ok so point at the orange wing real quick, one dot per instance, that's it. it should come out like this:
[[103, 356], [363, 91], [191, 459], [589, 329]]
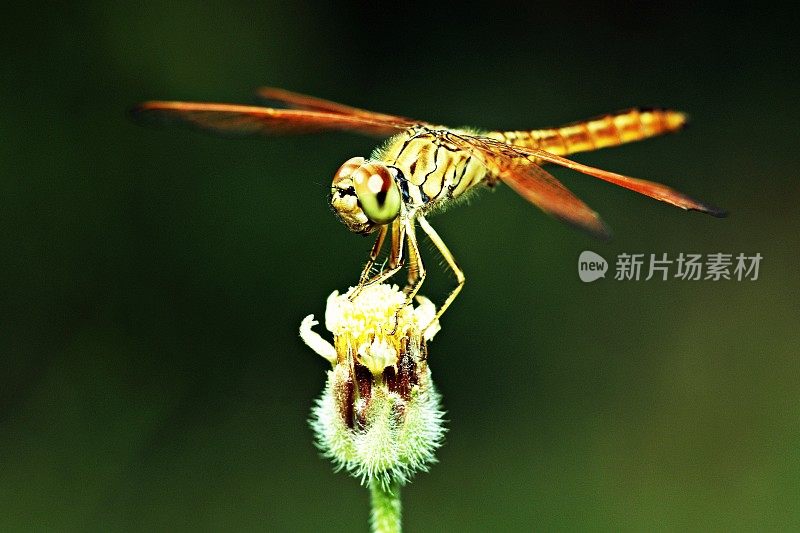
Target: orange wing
[[243, 120], [304, 101], [544, 191], [504, 155]]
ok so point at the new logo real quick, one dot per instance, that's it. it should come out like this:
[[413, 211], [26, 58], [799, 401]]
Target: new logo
[[591, 266]]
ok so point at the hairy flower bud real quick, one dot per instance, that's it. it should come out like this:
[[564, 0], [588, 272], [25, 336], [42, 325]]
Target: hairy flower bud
[[379, 416]]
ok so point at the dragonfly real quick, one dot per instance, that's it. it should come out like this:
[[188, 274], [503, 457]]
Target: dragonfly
[[423, 167]]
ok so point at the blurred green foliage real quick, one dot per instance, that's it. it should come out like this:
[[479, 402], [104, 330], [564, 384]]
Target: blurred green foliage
[[153, 280]]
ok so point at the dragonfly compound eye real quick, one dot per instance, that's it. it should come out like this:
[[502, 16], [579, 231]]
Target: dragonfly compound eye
[[347, 169], [377, 192], [344, 201]]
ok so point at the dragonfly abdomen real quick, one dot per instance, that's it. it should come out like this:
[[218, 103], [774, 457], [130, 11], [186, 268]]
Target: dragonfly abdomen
[[600, 132]]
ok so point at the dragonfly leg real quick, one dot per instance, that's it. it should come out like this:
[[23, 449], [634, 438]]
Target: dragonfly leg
[[396, 259], [439, 243], [373, 255], [416, 270]]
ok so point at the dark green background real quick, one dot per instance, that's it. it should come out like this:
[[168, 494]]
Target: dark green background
[[153, 280]]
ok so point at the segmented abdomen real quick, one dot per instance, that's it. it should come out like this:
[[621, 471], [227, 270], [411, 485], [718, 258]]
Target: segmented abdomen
[[600, 132]]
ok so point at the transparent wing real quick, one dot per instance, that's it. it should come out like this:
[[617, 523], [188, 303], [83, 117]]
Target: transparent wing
[[303, 101], [240, 120], [503, 155]]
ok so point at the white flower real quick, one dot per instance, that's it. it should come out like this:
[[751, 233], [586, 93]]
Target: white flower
[[379, 416], [373, 324]]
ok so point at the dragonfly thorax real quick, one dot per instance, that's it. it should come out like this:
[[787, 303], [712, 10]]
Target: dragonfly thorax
[[365, 195]]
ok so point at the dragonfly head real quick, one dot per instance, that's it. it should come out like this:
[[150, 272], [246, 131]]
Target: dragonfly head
[[365, 195]]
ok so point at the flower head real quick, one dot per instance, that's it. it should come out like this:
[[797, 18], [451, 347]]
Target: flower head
[[379, 416]]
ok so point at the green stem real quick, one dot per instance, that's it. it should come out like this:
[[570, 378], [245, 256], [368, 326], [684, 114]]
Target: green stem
[[386, 507]]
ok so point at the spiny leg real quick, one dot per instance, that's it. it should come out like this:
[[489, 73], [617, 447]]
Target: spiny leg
[[373, 255], [439, 243], [416, 269], [395, 259]]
